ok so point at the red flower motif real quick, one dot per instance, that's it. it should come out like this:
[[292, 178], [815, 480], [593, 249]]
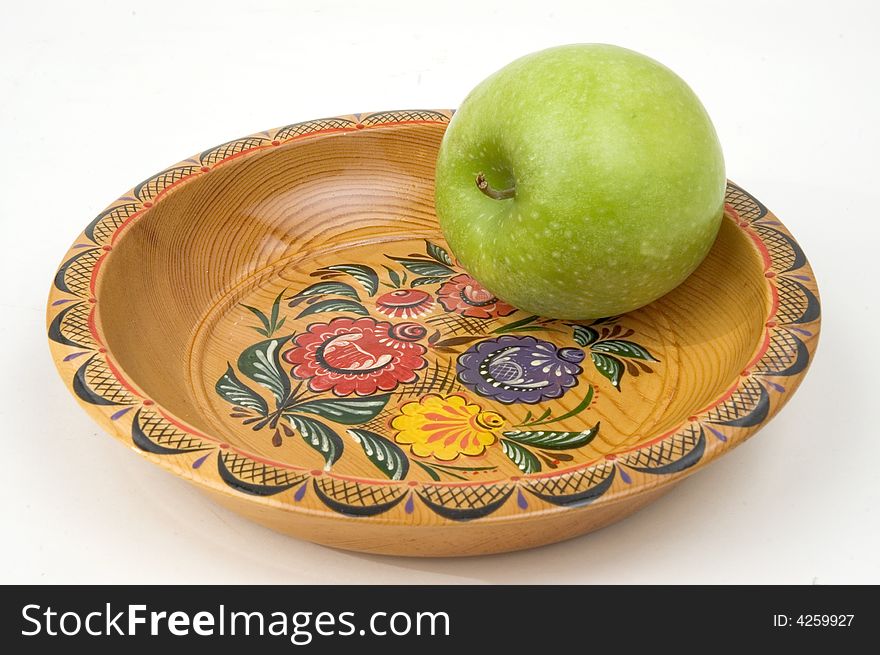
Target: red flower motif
[[405, 303], [464, 295], [357, 355]]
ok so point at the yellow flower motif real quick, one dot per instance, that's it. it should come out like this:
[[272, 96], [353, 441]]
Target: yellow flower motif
[[446, 427]]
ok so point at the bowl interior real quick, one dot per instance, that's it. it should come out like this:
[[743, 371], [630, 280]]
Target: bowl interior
[[187, 298]]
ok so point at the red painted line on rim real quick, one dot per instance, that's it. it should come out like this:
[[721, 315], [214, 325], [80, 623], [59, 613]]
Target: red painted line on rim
[[774, 301], [765, 344], [179, 424], [93, 279], [124, 225], [92, 329], [412, 122], [386, 483], [119, 377], [559, 472], [250, 150], [266, 460]]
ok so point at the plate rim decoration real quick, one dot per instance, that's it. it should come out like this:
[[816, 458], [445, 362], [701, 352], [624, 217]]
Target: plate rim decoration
[[776, 368]]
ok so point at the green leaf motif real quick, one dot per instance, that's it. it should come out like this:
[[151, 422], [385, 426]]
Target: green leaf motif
[[583, 335], [234, 391], [554, 440], [393, 276], [270, 323], [623, 349], [516, 326], [605, 319], [543, 415], [328, 288], [386, 455], [273, 321], [348, 411], [335, 305], [365, 275], [543, 419], [260, 315], [429, 470], [420, 281], [261, 363], [438, 253], [610, 367], [423, 267], [523, 458], [318, 436]]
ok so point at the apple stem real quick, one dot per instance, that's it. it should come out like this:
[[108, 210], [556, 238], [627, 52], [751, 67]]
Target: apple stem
[[495, 194]]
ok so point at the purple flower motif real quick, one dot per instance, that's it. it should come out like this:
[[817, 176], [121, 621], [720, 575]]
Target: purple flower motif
[[514, 369]]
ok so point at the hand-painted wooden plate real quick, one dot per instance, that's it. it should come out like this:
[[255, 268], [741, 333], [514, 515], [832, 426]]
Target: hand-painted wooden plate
[[279, 321]]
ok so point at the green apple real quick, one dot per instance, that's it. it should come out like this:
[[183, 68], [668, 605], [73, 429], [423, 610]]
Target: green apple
[[580, 182]]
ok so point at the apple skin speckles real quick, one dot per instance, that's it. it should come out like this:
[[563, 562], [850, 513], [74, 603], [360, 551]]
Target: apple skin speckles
[[618, 182]]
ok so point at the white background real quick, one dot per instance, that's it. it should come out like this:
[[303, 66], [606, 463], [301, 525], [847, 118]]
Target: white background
[[95, 97]]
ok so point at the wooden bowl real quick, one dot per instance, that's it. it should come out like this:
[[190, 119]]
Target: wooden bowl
[[278, 321]]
